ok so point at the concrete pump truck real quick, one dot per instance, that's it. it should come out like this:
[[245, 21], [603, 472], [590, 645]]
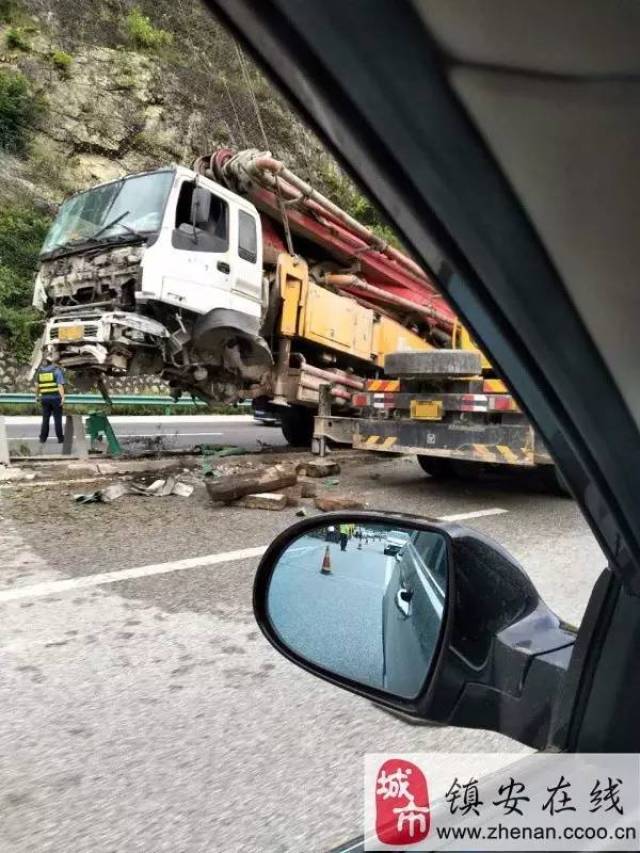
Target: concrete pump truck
[[237, 280]]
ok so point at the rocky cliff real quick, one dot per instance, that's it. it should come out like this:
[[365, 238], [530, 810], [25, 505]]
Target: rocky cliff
[[118, 88]]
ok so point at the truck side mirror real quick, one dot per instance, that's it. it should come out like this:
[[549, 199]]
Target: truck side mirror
[[200, 208], [431, 620]]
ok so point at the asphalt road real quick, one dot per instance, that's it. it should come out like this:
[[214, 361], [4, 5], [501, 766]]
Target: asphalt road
[[168, 432], [333, 619], [143, 711]]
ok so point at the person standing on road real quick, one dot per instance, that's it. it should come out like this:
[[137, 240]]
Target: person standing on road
[[50, 392], [345, 530]]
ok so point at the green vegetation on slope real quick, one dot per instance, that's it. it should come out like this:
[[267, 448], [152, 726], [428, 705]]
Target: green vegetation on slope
[[22, 230], [19, 110], [62, 60], [143, 34]]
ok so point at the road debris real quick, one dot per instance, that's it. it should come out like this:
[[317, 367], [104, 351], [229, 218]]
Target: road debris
[[157, 489], [308, 490], [15, 474], [170, 486], [303, 512], [106, 495], [221, 451], [318, 468], [330, 504], [293, 494], [231, 487], [121, 466], [264, 500]]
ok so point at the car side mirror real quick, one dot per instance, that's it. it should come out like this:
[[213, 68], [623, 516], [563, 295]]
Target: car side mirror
[[429, 619]]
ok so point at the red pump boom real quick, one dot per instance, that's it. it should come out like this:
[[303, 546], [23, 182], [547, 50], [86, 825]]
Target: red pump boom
[[381, 274]]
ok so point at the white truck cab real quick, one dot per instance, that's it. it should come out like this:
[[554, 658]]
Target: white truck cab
[[167, 261], [208, 252]]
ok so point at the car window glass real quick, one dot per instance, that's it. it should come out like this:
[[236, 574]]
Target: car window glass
[[247, 237]]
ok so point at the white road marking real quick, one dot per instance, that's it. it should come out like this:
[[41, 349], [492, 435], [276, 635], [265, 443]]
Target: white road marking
[[39, 590], [66, 584], [160, 434], [28, 420], [479, 513]]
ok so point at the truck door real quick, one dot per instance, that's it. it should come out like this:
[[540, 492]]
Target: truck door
[[247, 278], [198, 270]]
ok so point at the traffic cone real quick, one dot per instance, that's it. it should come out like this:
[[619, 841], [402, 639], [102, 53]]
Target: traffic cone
[[325, 569]]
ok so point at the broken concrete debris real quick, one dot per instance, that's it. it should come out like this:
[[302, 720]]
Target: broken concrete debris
[[170, 486], [318, 468], [308, 490], [264, 500], [157, 489], [333, 503], [15, 474]]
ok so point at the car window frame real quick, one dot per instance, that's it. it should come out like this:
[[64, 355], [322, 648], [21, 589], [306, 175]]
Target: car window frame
[[429, 171]]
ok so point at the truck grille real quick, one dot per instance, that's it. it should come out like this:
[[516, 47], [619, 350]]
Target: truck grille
[[90, 331]]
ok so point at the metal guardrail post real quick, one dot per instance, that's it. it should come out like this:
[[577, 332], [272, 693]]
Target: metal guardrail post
[[75, 440], [319, 442], [98, 424]]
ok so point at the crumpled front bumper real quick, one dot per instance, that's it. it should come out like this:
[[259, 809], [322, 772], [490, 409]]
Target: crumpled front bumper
[[89, 339]]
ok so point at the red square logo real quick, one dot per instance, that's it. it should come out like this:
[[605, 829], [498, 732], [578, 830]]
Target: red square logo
[[403, 814]]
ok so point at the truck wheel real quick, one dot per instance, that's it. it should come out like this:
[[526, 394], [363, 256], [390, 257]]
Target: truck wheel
[[436, 466], [297, 426]]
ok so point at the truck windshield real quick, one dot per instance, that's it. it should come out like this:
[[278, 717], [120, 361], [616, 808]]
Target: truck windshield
[[131, 206]]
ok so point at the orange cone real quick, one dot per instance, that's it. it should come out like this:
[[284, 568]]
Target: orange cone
[[325, 569]]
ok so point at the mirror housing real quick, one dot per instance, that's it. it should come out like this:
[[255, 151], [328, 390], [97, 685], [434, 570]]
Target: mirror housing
[[200, 205], [502, 653]]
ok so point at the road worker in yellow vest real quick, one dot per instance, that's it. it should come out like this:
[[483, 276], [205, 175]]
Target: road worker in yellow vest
[[345, 535], [50, 392]]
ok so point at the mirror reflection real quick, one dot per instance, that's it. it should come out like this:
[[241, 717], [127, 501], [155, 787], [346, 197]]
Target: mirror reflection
[[365, 601]]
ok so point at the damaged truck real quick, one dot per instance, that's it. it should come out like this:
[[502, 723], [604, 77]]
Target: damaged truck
[[237, 280]]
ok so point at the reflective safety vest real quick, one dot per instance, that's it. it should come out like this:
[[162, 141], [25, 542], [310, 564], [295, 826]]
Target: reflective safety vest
[[47, 381]]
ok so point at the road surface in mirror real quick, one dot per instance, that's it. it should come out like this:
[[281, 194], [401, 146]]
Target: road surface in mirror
[[365, 602]]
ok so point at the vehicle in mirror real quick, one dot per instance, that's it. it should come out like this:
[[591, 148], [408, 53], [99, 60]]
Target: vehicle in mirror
[[364, 601]]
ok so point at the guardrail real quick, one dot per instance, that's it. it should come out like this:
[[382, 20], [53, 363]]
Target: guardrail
[[116, 399]]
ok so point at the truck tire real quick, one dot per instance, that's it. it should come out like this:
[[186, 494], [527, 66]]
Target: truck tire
[[436, 466], [442, 362], [297, 426]]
